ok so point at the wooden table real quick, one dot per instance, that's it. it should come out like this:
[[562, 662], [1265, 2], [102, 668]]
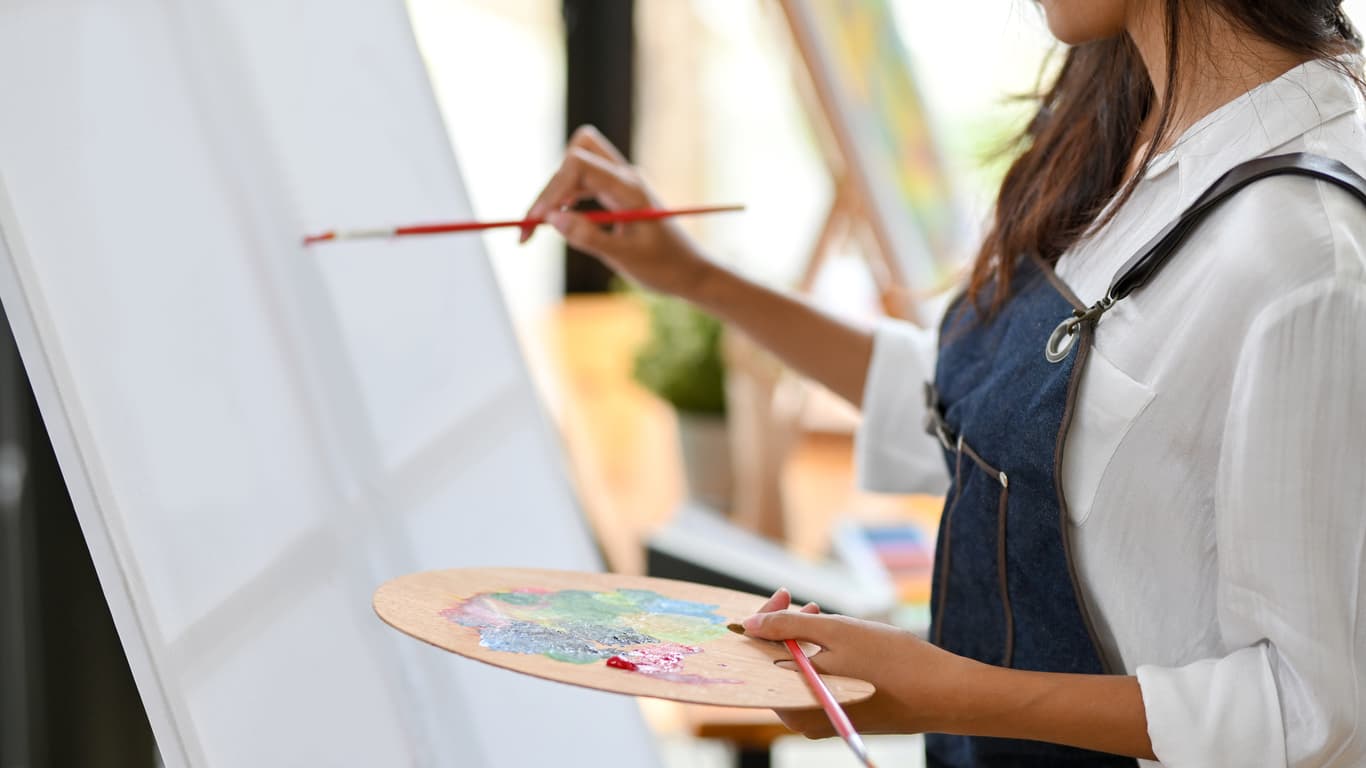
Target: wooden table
[[624, 456]]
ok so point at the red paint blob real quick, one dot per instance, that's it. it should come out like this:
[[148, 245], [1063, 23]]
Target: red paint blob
[[619, 663]]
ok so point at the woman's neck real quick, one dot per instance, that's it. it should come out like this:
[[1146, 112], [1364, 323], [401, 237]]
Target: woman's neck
[[1218, 62]]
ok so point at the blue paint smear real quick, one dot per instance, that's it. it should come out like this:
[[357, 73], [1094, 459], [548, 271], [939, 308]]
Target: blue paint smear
[[525, 637], [653, 602], [574, 641]]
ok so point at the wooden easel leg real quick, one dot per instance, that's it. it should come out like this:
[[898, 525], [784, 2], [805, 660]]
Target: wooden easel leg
[[763, 432], [833, 231]]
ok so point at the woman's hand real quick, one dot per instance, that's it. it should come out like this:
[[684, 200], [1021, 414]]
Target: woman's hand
[[656, 254], [922, 688], [659, 256], [916, 682]]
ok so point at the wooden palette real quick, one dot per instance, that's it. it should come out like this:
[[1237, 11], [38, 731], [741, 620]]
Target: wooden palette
[[725, 668]]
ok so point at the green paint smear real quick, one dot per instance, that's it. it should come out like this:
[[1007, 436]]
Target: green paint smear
[[688, 630], [582, 605], [573, 658], [518, 598]]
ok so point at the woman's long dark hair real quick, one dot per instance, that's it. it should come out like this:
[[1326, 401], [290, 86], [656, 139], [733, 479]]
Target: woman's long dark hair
[[1075, 153]]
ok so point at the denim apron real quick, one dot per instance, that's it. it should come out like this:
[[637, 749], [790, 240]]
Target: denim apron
[[1005, 587]]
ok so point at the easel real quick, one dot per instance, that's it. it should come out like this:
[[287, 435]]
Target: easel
[[846, 222], [766, 401], [851, 215]]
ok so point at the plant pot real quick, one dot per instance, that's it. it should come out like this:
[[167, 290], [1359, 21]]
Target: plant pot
[[704, 441]]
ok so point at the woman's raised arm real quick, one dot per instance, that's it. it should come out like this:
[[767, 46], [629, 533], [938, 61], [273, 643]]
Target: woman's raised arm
[[661, 257]]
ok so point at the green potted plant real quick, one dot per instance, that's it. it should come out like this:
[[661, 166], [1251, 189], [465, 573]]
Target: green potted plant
[[682, 364]]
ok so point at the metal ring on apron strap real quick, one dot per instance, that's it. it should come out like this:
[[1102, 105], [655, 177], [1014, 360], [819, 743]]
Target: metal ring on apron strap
[[1061, 340]]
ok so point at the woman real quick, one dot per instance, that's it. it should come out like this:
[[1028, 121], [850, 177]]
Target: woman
[[1183, 582]]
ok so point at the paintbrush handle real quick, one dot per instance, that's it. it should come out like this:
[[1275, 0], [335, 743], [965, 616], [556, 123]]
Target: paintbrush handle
[[597, 217], [838, 718]]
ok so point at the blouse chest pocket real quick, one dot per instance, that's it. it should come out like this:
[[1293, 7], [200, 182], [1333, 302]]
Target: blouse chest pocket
[[1108, 403]]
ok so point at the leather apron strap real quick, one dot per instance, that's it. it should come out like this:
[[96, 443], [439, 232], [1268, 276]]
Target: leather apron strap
[[1144, 266]]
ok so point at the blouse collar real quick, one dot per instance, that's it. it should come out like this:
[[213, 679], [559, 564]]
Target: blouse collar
[[1266, 117]]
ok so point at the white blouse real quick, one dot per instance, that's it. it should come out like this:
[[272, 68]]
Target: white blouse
[[1216, 465]]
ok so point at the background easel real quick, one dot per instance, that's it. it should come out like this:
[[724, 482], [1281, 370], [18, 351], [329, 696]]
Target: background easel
[[848, 223], [768, 402]]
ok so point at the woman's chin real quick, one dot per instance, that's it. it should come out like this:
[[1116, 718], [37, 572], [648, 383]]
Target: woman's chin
[[1074, 22]]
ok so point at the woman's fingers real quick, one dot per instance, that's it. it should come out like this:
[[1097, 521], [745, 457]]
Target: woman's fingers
[[591, 139], [779, 602], [588, 138], [584, 174], [782, 600], [790, 625], [581, 233], [825, 662], [811, 723]]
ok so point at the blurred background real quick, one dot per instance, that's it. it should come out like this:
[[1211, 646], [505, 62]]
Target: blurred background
[[682, 443]]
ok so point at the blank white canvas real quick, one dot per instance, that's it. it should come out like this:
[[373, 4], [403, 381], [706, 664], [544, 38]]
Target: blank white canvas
[[255, 434]]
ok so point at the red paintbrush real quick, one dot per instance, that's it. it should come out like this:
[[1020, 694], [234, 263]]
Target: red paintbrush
[[597, 217]]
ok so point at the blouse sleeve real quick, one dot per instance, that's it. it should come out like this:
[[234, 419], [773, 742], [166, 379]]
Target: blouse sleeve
[[1291, 530], [893, 452]]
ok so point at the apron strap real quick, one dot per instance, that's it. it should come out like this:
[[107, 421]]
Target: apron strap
[[1144, 266], [1152, 257]]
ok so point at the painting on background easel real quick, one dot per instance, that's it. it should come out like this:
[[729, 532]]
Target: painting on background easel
[[892, 194], [892, 201]]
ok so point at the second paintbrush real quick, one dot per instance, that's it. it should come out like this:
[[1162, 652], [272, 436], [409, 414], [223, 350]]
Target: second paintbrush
[[597, 217]]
